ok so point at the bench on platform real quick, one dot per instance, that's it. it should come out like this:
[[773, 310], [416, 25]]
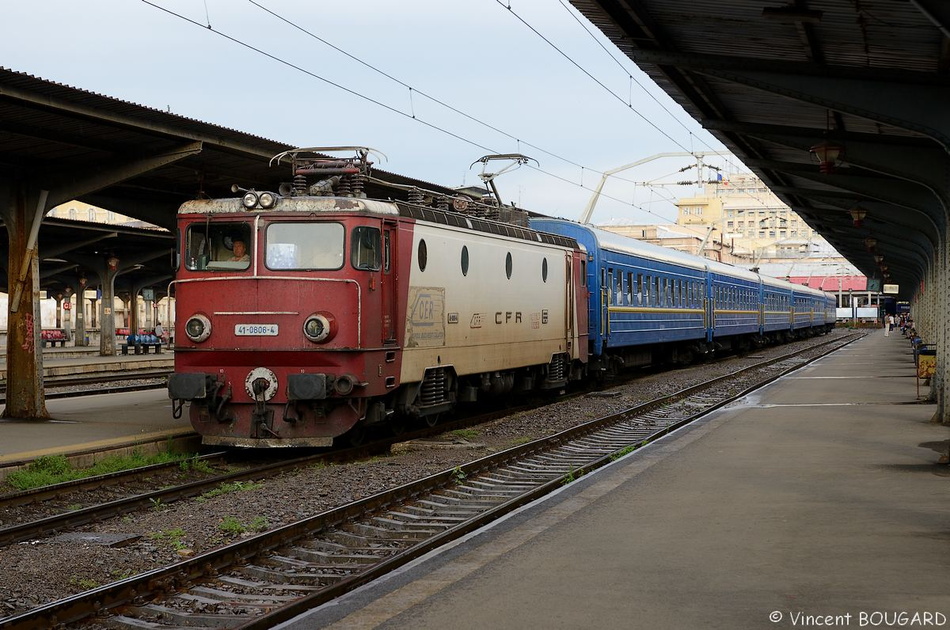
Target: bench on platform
[[140, 344], [53, 336], [142, 348]]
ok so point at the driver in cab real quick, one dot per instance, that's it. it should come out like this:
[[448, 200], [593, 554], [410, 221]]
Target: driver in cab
[[239, 249]]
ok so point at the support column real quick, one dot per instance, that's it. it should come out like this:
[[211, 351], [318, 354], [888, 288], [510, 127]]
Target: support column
[[81, 311], [107, 321], [68, 310], [59, 309], [22, 210]]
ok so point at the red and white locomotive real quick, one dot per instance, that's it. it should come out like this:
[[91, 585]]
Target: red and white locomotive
[[315, 312]]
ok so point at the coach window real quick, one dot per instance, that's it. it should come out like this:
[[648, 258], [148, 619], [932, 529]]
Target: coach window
[[583, 273], [508, 265], [306, 245], [629, 289], [422, 255], [464, 260], [365, 249], [544, 270], [618, 288], [639, 288]]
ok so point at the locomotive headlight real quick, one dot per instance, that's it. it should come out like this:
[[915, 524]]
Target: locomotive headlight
[[250, 199], [268, 200], [198, 328], [319, 327]]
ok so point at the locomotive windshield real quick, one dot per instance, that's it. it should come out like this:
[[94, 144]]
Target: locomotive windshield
[[304, 245], [218, 246]]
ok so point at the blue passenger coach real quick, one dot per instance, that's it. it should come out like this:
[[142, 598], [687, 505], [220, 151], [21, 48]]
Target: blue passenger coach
[[651, 304]]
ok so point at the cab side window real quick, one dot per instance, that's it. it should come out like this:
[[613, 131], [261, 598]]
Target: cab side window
[[365, 249]]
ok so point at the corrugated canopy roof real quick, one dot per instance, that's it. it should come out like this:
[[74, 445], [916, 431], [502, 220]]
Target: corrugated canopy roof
[[64, 139], [774, 79]]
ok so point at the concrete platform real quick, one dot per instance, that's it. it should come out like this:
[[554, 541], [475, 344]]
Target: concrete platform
[[812, 503], [93, 423]]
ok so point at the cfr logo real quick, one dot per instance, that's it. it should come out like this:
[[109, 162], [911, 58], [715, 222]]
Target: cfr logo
[[507, 317]]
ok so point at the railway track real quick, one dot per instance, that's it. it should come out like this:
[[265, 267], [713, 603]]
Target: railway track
[[72, 493], [100, 383], [273, 576]]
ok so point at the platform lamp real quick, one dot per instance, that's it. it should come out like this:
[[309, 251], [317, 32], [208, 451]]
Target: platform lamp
[[857, 215], [827, 153], [113, 263], [870, 242]]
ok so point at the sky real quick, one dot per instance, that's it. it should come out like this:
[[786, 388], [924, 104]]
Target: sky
[[431, 85]]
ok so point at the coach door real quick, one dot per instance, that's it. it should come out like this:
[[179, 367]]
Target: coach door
[[389, 299]]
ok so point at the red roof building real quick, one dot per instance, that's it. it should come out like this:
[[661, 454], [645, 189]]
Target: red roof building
[[832, 284]]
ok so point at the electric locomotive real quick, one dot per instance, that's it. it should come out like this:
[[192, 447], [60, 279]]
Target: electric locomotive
[[315, 312]]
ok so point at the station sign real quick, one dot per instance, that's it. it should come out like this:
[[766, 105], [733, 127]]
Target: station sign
[[892, 289]]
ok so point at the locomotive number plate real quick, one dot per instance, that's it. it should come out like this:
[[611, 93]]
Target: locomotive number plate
[[255, 330]]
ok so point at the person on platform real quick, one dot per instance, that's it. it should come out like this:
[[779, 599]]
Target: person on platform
[[159, 331]]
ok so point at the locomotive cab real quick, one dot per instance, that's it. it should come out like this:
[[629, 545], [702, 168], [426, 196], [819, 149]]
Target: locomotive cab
[[279, 299]]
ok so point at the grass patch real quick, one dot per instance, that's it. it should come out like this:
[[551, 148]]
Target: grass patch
[[465, 434], [232, 525], [572, 475], [174, 537], [53, 469], [624, 451], [227, 488], [85, 584], [193, 464]]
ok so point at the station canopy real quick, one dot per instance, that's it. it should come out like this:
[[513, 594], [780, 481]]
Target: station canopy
[[136, 161], [838, 106]]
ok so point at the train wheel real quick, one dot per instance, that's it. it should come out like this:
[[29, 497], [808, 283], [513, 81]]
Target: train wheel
[[397, 427], [357, 435]]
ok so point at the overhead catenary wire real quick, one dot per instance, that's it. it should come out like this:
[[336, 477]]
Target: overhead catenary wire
[[411, 115], [573, 14], [356, 93], [424, 94], [591, 76]]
